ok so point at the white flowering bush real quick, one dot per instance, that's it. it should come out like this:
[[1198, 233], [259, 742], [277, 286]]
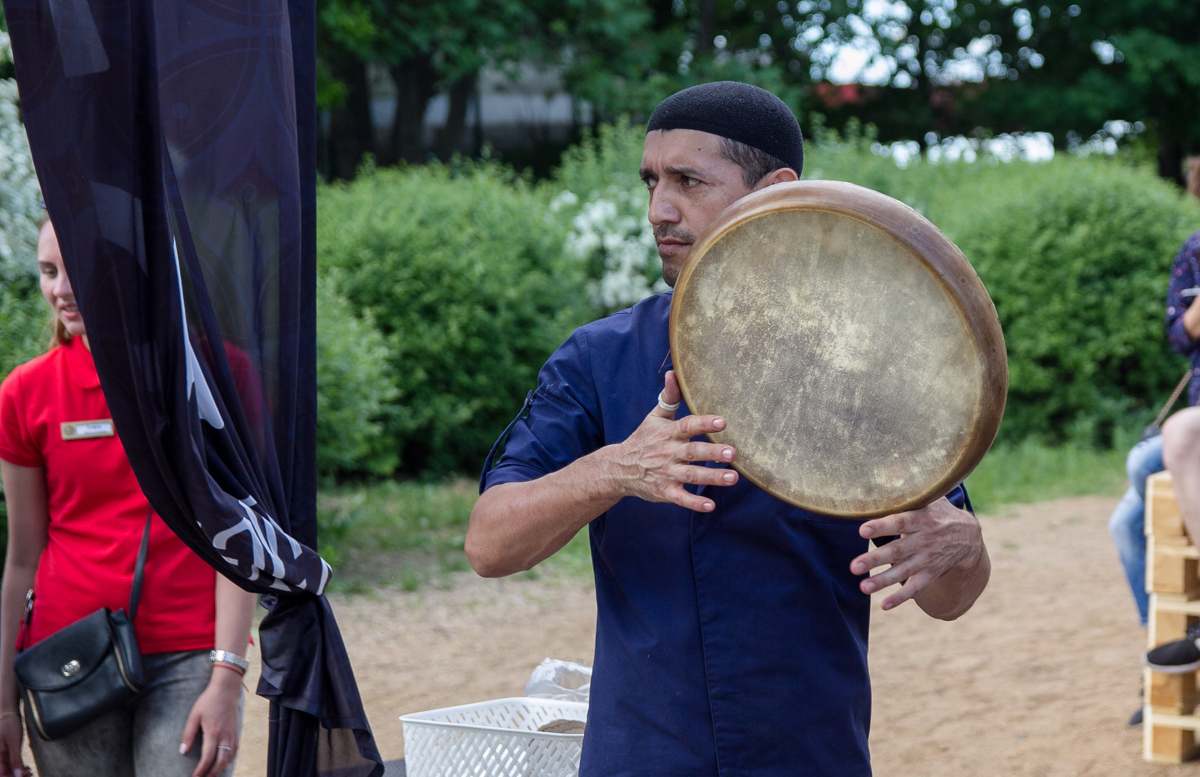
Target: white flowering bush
[[609, 232], [602, 204], [19, 192], [22, 311]]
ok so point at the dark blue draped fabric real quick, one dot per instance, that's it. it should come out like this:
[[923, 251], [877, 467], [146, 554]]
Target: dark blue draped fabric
[[175, 144]]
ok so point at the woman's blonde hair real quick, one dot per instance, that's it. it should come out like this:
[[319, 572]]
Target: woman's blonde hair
[[58, 333], [58, 330]]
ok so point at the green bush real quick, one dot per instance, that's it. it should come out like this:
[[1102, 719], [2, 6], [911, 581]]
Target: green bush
[[23, 335], [1076, 254], [22, 311], [602, 203], [464, 271], [849, 157], [611, 156], [354, 388], [24, 323]]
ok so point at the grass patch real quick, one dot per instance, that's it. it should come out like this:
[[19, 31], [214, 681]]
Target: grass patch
[[411, 534], [575, 559], [1031, 472], [405, 534]]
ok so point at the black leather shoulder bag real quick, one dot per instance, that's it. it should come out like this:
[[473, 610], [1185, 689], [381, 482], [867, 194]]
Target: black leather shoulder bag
[[82, 671]]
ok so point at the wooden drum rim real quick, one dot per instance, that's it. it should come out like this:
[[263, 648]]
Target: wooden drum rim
[[932, 248]]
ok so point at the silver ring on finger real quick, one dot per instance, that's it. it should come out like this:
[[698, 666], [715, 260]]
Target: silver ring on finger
[[225, 747], [667, 405]]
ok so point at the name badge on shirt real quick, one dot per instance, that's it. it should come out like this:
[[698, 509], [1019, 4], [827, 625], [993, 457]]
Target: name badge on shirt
[[86, 430]]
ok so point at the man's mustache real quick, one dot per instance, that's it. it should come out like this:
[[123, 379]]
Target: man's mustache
[[664, 231]]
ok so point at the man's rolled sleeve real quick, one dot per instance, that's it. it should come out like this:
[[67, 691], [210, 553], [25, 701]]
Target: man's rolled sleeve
[[562, 424]]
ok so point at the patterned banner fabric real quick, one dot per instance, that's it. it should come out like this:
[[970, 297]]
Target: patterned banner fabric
[[175, 145]]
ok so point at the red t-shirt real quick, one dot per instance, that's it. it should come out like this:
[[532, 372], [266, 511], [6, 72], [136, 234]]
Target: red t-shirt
[[97, 511]]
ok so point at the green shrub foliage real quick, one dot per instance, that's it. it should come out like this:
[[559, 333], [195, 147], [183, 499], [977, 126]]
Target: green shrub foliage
[[464, 271], [23, 335], [602, 204], [22, 311], [610, 156], [355, 388], [1076, 255], [24, 323]]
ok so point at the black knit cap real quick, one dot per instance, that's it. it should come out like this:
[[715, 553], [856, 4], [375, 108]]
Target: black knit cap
[[736, 111]]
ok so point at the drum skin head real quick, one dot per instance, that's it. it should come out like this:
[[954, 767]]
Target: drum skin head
[[849, 345]]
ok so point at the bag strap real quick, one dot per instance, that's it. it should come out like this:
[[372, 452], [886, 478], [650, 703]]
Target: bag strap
[[1162, 414], [135, 593], [26, 621]]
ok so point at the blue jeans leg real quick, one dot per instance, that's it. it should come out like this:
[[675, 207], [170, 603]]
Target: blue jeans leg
[[141, 738], [1127, 524]]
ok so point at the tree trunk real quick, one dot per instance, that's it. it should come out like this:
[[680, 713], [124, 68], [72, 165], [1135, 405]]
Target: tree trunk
[[664, 15], [450, 139], [477, 147], [351, 134], [1170, 157], [708, 27], [415, 79]]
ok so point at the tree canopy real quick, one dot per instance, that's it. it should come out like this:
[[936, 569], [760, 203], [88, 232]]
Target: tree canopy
[[951, 67]]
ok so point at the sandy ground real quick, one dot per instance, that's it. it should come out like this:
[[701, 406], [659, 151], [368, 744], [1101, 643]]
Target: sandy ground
[[1037, 680]]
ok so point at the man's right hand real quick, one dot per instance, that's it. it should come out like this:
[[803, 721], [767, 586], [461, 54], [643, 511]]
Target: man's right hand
[[656, 461], [516, 525]]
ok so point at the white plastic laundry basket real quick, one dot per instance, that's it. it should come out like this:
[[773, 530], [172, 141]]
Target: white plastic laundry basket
[[493, 739]]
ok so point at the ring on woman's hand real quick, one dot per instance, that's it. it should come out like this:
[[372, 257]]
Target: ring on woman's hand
[[667, 405], [225, 747]]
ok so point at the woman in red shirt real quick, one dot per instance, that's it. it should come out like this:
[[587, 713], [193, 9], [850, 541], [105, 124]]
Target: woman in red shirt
[[75, 522]]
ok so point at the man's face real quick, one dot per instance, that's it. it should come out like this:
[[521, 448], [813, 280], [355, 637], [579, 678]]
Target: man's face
[[690, 183]]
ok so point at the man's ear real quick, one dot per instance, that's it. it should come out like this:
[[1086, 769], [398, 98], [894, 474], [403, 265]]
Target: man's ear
[[782, 175]]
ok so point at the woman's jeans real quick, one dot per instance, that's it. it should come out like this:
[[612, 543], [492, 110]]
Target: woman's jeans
[[141, 738], [1128, 521]]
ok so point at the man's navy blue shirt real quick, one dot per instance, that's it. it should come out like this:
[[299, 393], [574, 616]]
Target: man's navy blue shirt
[[732, 642]]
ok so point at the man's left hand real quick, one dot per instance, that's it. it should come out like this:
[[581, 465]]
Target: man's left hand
[[940, 552]]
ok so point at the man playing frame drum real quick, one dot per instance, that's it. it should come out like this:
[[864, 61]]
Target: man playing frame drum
[[732, 626]]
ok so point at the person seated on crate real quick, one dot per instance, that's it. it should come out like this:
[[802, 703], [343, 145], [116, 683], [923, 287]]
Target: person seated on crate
[[1127, 525], [1181, 433], [1128, 522], [732, 628]]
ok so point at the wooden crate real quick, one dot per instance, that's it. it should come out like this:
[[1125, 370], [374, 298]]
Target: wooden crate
[[1163, 518], [1172, 567], [1169, 723], [1165, 737]]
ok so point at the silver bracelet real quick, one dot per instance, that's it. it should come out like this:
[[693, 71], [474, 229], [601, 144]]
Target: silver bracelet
[[225, 657]]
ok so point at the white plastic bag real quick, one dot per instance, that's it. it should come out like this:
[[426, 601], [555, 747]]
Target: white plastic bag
[[560, 680]]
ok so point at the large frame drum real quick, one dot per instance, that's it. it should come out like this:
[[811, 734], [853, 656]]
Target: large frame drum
[[850, 346]]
